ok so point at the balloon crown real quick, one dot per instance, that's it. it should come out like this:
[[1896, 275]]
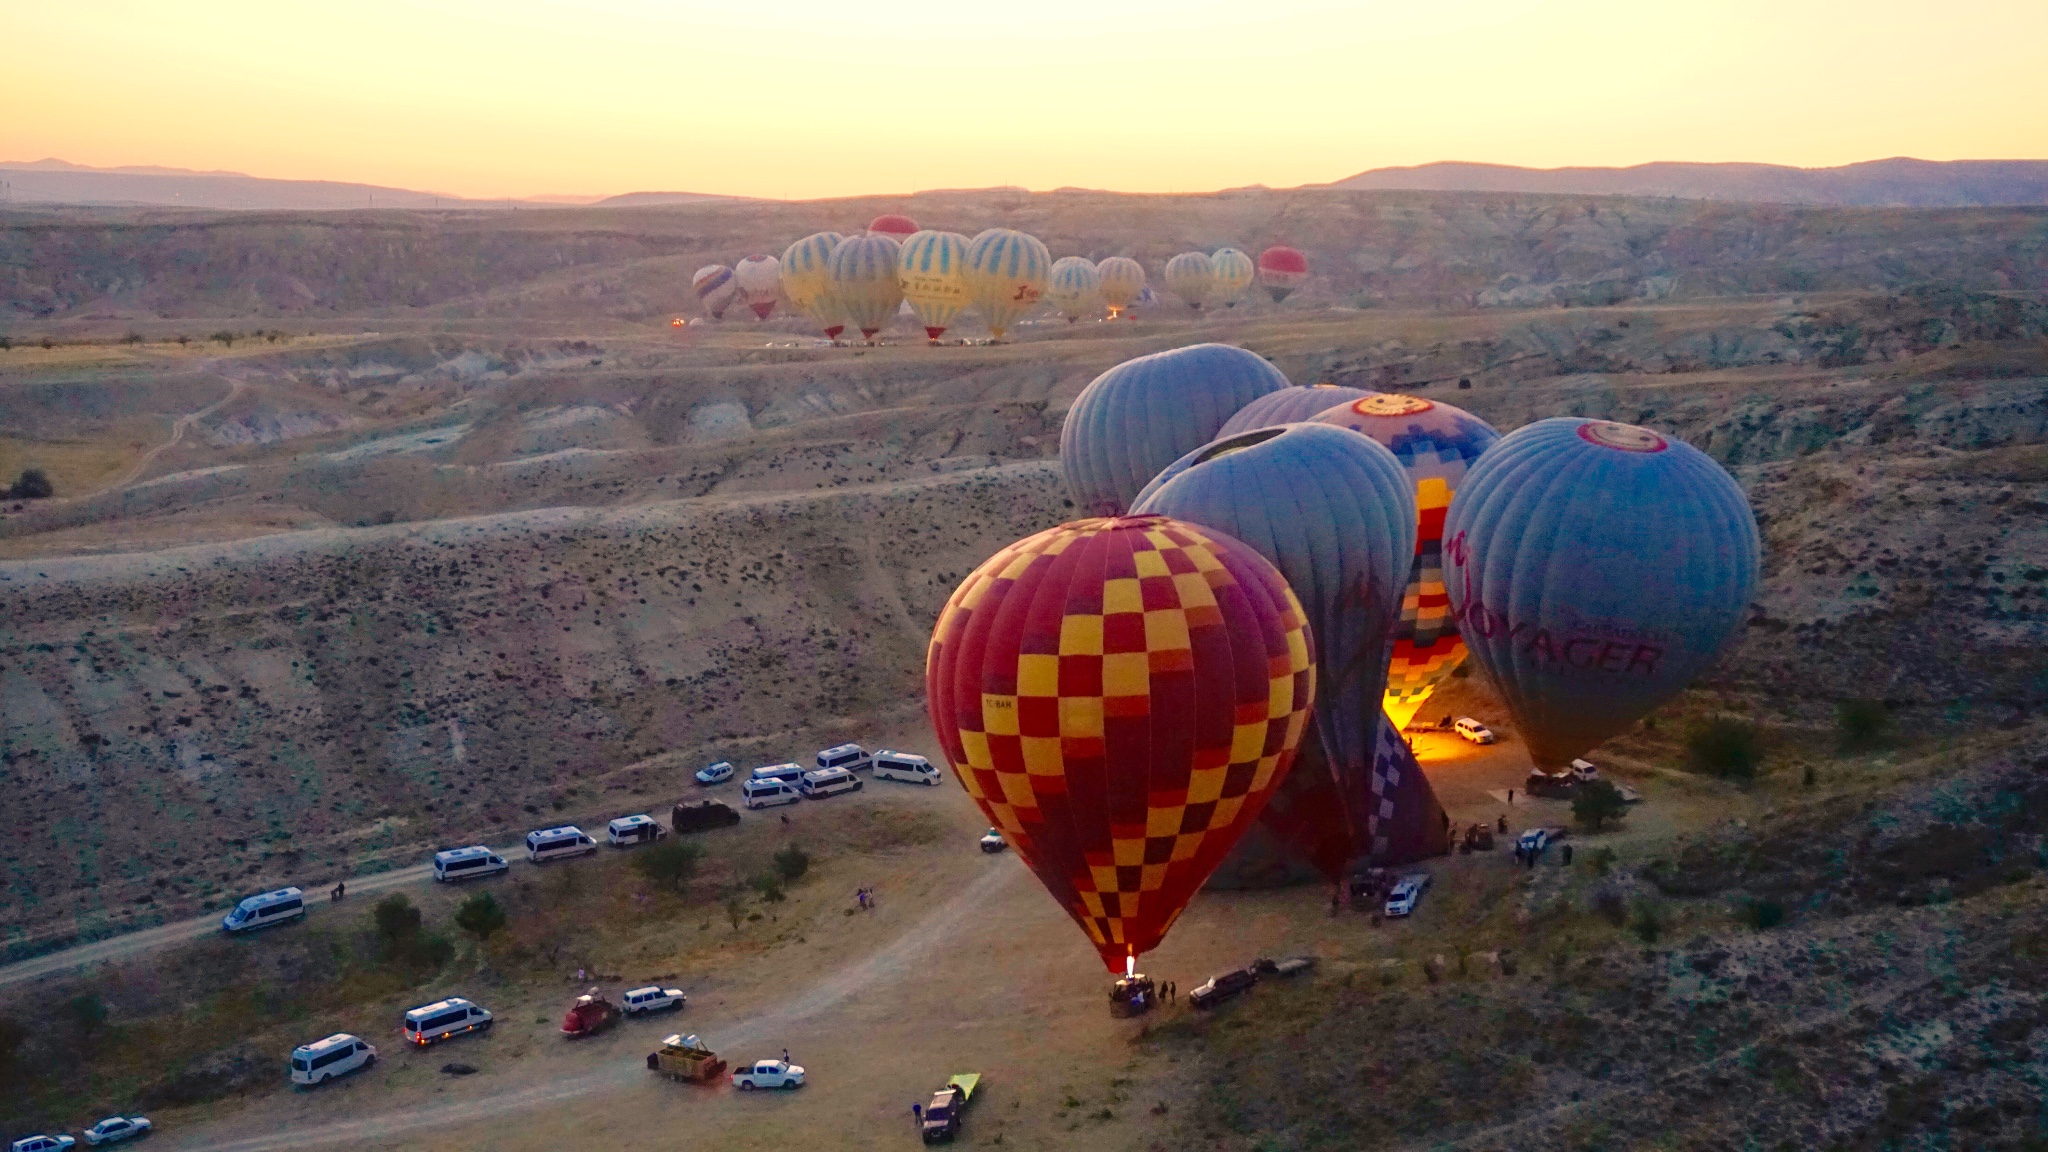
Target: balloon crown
[[1622, 437], [1391, 404]]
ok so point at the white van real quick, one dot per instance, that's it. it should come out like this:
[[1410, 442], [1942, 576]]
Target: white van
[[443, 1019], [641, 829], [263, 911], [768, 793], [323, 1060], [828, 782], [905, 767], [555, 843], [789, 774], [467, 863], [851, 757]]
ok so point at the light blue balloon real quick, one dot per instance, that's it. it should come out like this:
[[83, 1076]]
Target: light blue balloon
[[1290, 406], [1141, 415], [1595, 569]]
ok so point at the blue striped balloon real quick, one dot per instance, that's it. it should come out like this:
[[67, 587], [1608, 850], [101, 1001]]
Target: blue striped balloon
[[806, 280], [1007, 272], [1290, 406], [862, 279], [933, 273], [1143, 414], [1595, 568], [1075, 289]]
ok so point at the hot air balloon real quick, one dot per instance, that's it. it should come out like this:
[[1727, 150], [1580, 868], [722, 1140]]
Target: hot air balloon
[[897, 228], [1006, 274], [932, 271], [1144, 414], [862, 279], [1289, 406], [1075, 288], [1282, 270], [715, 289], [1122, 280], [1436, 443], [760, 282], [1121, 696], [1192, 277], [1233, 275], [1334, 512], [1595, 568], [807, 281]]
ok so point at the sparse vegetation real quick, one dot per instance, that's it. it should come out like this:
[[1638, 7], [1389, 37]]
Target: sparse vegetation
[[791, 863], [1760, 913], [1648, 924], [1861, 724], [670, 865], [225, 337], [1724, 746]]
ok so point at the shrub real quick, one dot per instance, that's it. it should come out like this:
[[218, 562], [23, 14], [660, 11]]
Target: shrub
[[669, 864], [1861, 723], [480, 916], [1601, 861], [1649, 922], [791, 863], [1724, 746], [1761, 914], [132, 338], [11, 1037], [6, 344], [34, 484], [1596, 802], [397, 920], [770, 888], [226, 338], [87, 1011], [183, 339], [1609, 906]]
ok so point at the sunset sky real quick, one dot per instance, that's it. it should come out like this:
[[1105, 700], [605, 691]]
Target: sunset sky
[[806, 98]]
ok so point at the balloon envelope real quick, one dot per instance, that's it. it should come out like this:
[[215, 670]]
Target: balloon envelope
[[862, 280], [1436, 443], [1144, 414], [1075, 288], [1122, 280], [1007, 272], [1596, 568], [1334, 512], [715, 289], [1290, 406], [760, 282], [1282, 270], [1192, 277], [1121, 696], [807, 280], [932, 270], [895, 227], [1233, 274]]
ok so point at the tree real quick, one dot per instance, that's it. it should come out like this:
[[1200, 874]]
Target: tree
[[1724, 746], [226, 338], [88, 1011], [11, 1066], [480, 916], [670, 864], [792, 862], [397, 920], [33, 485], [132, 338], [1861, 723], [1595, 802], [183, 339]]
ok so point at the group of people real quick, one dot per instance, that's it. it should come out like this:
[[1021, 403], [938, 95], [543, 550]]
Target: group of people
[[865, 897]]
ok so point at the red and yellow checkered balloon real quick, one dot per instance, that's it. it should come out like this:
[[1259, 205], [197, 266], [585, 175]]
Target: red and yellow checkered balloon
[[1122, 696]]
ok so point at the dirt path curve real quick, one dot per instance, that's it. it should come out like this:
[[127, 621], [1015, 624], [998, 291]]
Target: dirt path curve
[[905, 958], [178, 427], [133, 944]]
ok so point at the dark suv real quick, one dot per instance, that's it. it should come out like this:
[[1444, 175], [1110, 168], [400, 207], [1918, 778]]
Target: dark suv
[[1223, 987], [698, 815]]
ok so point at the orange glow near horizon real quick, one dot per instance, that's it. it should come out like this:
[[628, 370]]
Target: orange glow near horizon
[[807, 99]]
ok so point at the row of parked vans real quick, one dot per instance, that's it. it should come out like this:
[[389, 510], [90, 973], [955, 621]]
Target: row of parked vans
[[776, 784]]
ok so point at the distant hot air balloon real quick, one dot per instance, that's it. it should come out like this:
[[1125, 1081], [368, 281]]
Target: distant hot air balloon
[[1121, 696], [1334, 512], [897, 228], [862, 279], [807, 281], [1233, 275], [1595, 568], [1192, 277], [760, 281], [1282, 270], [1289, 406], [1075, 288], [932, 270], [715, 289], [1144, 414], [1437, 443], [1007, 272], [1122, 280]]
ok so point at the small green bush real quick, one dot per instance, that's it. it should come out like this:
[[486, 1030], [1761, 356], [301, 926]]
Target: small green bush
[[670, 864], [1761, 913], [1649, 922], [397, 920], [1861, 724], [88, 1011], [481, 915], [770, 888], [791, 863], [1724, 746], [1596, 802], [34, 484]]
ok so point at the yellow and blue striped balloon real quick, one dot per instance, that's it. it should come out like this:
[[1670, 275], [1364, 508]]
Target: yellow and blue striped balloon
[[1076, 288], [1123, 280], [862, 276], [932, 270], [807, 280], [1234, 272], [1007, 272], [1190, 276]]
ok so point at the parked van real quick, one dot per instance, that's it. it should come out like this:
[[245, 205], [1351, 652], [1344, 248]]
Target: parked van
[[264, 911], [769, 793], [443, 1019], [467, 863], [1473, 730], [905, 767], [851, 757], [555, 843], [323, 1060], [828, 782], [642, 829], [790, 774]]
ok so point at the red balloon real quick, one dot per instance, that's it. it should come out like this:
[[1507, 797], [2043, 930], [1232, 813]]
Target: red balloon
[[1282, 270], [1122, 696], [898, 228]]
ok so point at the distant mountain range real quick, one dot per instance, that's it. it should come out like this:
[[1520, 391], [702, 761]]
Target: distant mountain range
[[1899, 182], [60, 182]]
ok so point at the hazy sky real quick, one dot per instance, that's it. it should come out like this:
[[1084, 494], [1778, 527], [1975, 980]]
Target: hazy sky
[[814, 98]]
